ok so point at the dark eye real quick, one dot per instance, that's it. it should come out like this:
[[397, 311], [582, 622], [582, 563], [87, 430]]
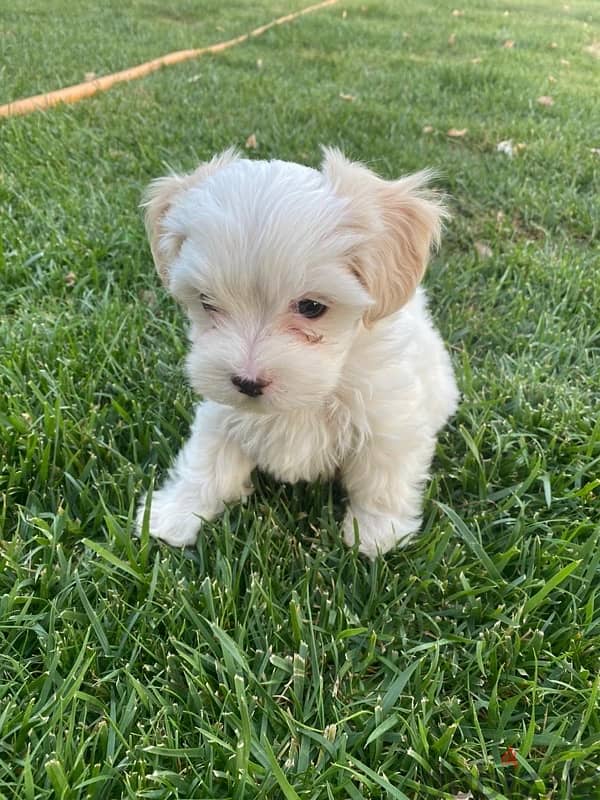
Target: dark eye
[[207, 305], [311, 309]]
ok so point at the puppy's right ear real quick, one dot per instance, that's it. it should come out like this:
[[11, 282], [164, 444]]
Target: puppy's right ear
[[160, 197], [400, 221]]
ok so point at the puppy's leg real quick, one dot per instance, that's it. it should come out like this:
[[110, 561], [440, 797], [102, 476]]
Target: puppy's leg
[[209, 471], [385, 480]]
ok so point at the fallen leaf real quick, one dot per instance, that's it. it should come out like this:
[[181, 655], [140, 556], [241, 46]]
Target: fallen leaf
[[545, 100], [330, 732], [483, 250], [508, 44], [476, 60], [565, 63], [509, 757], [520, 146], [70, 279], [350, 97], [251, 143], [89, 76], [593, 49], [457, 133], [506, 147], [463, 796], [427, 128], [457, 12], [452, 39]]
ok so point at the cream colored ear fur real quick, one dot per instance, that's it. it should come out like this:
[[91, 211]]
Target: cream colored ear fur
[[159, 199], [400, 221]]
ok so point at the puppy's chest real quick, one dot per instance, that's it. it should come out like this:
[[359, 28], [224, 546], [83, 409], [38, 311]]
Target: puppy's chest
[[294, 446]]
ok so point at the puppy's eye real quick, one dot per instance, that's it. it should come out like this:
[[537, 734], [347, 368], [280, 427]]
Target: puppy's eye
[[311, 309], [207, 305]]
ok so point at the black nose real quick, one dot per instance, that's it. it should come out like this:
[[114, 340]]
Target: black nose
[[251, 388]]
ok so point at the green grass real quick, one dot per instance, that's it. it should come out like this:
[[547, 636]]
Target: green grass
[[50, 45], [270, 662]]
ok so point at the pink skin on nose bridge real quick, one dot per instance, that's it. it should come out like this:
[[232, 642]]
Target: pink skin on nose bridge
[[248, 369]]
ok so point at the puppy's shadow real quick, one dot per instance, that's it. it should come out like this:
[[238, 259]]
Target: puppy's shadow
[[280, 524], [310, 512]]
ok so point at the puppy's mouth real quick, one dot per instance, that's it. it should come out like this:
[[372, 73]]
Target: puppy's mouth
[[249, 405], [252, 401], [273, 397], [255, 405]]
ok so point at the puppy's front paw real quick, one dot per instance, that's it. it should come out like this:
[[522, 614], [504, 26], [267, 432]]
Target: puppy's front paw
[[168, 520], [378, 533]]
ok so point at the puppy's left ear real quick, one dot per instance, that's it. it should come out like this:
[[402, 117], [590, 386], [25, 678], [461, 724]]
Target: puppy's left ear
[[160, 197], [398, 221]]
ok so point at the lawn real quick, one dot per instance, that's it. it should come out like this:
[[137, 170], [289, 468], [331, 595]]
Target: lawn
[[271, 662]]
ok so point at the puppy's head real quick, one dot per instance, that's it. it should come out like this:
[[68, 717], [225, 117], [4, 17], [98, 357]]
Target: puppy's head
[[280, 266]]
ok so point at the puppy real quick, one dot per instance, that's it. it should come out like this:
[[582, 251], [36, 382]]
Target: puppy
[[311, 343]]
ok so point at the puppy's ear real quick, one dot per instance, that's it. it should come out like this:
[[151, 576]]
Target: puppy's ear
[[159, 199], [399, 222]]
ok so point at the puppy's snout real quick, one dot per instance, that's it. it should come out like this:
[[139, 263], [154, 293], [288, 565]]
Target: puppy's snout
[[251, 388]]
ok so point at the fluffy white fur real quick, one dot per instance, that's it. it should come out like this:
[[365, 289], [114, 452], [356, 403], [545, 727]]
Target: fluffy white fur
[[361, 391]]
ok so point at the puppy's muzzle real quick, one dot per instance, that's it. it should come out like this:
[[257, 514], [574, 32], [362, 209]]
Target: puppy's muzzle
[[250, 388]]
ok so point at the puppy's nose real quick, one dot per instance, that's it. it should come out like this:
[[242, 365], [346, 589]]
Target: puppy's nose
[[251, 388]]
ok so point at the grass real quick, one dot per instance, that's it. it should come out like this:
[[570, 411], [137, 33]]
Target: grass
[[270, 662]]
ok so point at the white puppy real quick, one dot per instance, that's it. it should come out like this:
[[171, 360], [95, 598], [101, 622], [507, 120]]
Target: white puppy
[[310, 341]]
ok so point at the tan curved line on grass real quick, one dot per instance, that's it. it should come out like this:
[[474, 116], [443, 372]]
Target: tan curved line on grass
[[72, 94]]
